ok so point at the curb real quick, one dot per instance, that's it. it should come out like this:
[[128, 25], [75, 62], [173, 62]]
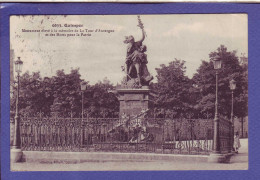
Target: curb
[[80, 157]]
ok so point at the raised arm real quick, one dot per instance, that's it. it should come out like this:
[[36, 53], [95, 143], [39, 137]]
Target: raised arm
[[143, 33], [141, 25]]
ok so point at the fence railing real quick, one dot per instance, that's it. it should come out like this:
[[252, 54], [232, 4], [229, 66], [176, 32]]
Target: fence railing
[[225, 135], [155, 135]]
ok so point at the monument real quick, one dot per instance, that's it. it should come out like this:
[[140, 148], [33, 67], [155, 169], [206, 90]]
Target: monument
[[134, 93]]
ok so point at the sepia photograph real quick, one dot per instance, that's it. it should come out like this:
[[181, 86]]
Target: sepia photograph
[[140, 92]]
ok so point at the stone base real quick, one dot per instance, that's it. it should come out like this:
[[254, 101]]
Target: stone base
[[133, 101], [16, 155], [219, 158]]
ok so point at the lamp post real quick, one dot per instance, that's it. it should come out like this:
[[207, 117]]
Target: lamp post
[[16, 153], [83, 86], [232, 85], [216, 156], [216, 145]]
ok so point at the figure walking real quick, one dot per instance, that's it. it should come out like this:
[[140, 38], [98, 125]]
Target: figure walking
[[236, 142]]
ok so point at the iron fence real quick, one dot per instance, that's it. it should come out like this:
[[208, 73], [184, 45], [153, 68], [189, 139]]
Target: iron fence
[[127, 134], [225, 135]]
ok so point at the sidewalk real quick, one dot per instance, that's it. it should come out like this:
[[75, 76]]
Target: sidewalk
[[242, 156], [238, 162]]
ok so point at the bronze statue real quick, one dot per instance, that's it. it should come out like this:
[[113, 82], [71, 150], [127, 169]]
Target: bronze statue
[[136, 60]]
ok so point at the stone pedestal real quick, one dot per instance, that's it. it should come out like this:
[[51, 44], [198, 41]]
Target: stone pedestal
[[133, 101]]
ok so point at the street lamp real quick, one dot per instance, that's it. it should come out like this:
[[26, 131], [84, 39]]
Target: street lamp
[[232, 85], [83, 87], [217, 63], [215, 157], [16, 152]]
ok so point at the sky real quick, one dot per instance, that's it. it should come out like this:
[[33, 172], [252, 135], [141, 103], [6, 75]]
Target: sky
[[189, 37]]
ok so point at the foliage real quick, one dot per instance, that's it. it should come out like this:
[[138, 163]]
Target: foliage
[[241, 95], [173, 88], [100, 103], [62, 93], [33, 94], [205, 82], [66, 91]]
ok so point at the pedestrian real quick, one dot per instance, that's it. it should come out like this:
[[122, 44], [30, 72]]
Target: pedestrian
[[236, 142]]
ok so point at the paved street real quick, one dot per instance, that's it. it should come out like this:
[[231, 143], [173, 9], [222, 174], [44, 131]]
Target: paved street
[[238, 162]]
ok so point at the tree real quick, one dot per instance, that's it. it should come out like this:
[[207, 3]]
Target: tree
[[62, 94], [173, 88], [101, 103], [241, 98], [205, 82], [32, 97], [66, 92]]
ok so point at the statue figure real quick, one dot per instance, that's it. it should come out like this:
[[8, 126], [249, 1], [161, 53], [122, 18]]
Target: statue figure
[[136, 60]]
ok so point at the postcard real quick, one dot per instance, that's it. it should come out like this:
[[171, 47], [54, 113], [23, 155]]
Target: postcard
[[129, 92]]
